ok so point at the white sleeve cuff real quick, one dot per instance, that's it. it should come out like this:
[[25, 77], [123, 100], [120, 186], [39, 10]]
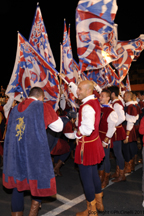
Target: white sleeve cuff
[[76, 135], [70, 135], [57, 125], [105, 143]]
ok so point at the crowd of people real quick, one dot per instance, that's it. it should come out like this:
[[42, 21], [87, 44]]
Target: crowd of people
[[106, 121]]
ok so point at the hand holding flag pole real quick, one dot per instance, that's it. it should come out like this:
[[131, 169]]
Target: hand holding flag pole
[[62, 76], [96, 86]]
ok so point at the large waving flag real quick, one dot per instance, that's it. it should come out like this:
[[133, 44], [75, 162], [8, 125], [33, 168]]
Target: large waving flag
[[96, 33], [39, 38], [30, 70], [127, 51]]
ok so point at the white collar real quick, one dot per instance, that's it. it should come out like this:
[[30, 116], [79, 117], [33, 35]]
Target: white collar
[[88, 98], [33, 98], [115, 100], [135, 102], [128, 103]]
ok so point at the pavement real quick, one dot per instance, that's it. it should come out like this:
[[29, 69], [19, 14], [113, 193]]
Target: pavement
[[123, 198]]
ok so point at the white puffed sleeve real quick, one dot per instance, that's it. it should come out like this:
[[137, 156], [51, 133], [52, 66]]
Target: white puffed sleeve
[[112, 121]]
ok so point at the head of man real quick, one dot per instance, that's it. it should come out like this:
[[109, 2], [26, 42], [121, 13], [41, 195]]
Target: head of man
[[85, 89], [134, 96], [105, 96], [141, 95], [114, 92], [37, 93], [128, 96]]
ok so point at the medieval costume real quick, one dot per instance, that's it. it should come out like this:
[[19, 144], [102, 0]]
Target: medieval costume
[[27, 160]]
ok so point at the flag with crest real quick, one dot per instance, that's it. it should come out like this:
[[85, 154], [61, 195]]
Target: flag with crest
[[127, 51], [96, 33], [39, 38], [30, 70]]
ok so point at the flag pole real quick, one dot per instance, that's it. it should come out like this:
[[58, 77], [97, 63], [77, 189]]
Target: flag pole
[[61, 78], [60, 57], [64, 80], [60, 62]]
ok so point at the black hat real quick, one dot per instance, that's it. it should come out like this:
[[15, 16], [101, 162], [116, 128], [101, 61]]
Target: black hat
[[72, 114]]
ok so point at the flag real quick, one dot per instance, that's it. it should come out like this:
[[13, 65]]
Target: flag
[[76, 71], [79, 75], [75, 66], [104, 77], [39, 38], [31, 70], [98, 76], [67, 67], [96, 33], [67, 57], [128, 87], [127, 51], [111, 76]]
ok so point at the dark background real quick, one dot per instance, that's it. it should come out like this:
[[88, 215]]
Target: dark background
[[18, 16]]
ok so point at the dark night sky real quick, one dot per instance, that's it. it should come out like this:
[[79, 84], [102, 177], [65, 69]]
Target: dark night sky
[[18, 16]]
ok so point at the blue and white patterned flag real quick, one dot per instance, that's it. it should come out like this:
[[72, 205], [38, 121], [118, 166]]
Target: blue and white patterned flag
[[127, 51], [96, 33], [39, 38], [30, 70]]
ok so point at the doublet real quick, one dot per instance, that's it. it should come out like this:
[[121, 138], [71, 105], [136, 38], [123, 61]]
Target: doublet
[[103, 127], [132, 112], [89, 150]]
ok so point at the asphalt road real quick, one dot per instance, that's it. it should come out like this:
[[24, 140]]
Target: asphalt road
[[123, 198]]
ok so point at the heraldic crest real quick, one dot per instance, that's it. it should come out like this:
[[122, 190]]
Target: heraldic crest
[[20, 128]]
